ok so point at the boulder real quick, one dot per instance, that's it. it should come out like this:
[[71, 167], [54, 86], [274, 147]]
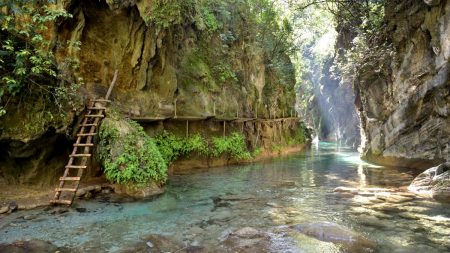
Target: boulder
[[130, 158], [332, 232], [434, 182], [148, 191]]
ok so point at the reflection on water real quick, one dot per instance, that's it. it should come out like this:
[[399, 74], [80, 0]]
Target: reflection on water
[[198, 208]]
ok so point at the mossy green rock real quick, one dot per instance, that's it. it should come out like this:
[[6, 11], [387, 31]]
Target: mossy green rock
[[128, 156]]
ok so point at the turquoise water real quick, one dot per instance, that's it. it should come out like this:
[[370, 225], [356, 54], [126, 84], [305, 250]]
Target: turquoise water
[[199, 208]]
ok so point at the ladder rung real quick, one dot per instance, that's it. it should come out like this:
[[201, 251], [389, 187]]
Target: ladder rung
[[92, 124], [61, 201], [80, 155], [76, 166], [94, 116], [83, 145], [70, 178], [97, 108], [88, 134], [66, 189]]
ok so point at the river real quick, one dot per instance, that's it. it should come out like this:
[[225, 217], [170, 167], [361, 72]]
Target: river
[[200, 211]]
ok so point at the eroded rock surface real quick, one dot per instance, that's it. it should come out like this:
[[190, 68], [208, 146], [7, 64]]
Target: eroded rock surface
[[403, 97], [434, 182]]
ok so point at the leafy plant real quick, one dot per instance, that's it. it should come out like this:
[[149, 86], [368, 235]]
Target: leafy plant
[[233, 145], [27, 63], [139, 160], [225, 72]]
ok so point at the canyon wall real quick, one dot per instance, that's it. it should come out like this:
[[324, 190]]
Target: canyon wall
[[403, 94], [208, 61]]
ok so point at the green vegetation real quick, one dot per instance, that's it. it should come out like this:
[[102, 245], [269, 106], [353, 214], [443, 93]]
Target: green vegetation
[[301, 135], [27, 64], [130, 158], [173, 147], [233, 145]]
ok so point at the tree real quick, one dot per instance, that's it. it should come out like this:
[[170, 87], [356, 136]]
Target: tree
[[27, 63]]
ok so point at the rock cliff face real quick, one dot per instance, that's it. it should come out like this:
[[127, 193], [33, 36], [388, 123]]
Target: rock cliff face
[[183, 63], [223, 71], [404, 98]]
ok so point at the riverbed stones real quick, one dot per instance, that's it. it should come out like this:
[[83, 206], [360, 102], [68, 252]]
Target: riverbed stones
[[332, 232], [246, 239], [33, 246]]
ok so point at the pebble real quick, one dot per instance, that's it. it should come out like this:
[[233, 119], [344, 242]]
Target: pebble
[[150, 244]]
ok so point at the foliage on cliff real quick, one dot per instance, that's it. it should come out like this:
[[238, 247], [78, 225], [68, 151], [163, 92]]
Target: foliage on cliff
[[128, 155], [27, 61], [173, 147]]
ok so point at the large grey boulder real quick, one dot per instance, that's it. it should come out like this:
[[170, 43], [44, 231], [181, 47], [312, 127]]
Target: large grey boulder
[[434, 182]]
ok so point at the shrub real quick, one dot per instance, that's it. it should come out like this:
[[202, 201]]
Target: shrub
[[129, 156], [233, 145], [27, 65]]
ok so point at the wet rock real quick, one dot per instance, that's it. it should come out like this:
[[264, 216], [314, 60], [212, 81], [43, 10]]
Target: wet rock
[[12, 207], [221, 216], [59, 211], [345, 189], [29, 217], [89, 189], [274, 205], [149, 191], [196, 230], [236, 197], [409, 216], [163, 243], [246, 239], [248, 232], [286, 183], [331, 232], [81, 209], [386, 208], [372, 221], [33, 246], [155, 243], [4, 209], [434, 182], [396, 199]]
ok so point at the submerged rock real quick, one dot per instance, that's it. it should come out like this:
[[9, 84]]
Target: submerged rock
[[434, 182], [150, 190], [33, 246], [246, 239], [332, 232]]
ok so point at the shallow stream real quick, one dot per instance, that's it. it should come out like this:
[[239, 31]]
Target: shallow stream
[[200, 211]]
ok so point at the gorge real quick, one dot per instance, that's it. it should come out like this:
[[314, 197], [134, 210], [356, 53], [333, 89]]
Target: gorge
[[233, 126]]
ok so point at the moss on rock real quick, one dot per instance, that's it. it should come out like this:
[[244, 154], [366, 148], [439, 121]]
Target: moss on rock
[[128, 155]]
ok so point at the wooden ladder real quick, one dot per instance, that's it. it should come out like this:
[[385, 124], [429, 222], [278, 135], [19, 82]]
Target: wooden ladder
[[82, 150]]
